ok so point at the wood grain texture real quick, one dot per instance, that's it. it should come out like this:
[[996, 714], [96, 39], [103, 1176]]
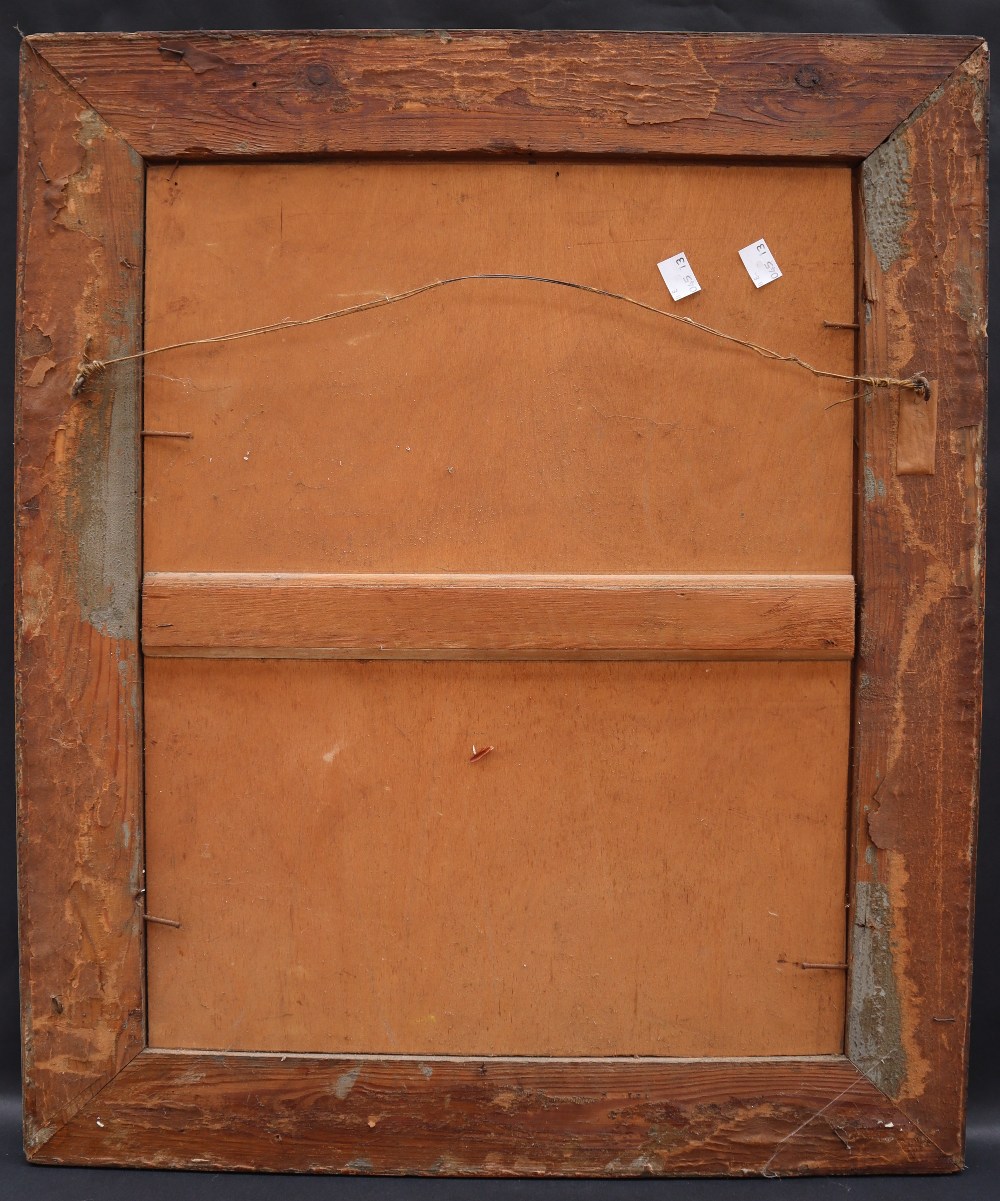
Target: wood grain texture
[[456, 1117], [920, 569], [551, 898], [919, 566], [76, 597], [498, 616], [916, 433], [496, 426], [199, 95]]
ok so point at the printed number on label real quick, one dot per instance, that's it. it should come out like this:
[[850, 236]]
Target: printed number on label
[[760, 264], [678, 276]]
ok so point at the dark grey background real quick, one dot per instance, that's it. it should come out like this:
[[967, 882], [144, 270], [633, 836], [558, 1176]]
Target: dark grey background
[[982, 1179]]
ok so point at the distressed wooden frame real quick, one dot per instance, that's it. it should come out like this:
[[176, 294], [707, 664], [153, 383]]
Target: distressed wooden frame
[[910, 113]]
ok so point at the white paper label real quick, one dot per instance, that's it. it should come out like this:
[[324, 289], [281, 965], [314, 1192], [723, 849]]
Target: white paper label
[[760, 264], [678, 276]]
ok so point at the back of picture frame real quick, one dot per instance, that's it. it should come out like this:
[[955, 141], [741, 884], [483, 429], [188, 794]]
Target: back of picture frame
[[477, 713]]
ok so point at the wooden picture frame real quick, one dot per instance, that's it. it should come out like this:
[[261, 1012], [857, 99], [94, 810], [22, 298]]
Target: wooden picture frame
[[910, 113]]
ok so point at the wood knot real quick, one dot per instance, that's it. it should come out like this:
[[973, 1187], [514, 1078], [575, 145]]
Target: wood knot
[[323, 86], [807, 77], [318, 74]]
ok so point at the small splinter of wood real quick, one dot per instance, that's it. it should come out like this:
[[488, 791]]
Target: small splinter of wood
[[167, 434], [481, 753], [839, 1135], [161, 921], [831, 967], [942, 1019]]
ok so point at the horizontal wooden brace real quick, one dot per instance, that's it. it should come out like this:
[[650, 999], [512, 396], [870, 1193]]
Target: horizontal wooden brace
[[450, 616]]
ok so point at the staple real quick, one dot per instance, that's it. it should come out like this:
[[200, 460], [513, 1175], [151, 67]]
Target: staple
[[167, 433], [841, 325], [828, 967]]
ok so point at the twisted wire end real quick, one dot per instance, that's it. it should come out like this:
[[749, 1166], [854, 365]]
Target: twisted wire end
[[86, 369]]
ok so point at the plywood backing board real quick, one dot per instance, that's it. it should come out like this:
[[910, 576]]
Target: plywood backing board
[[496, 426], [641, 865], [652, 852]]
